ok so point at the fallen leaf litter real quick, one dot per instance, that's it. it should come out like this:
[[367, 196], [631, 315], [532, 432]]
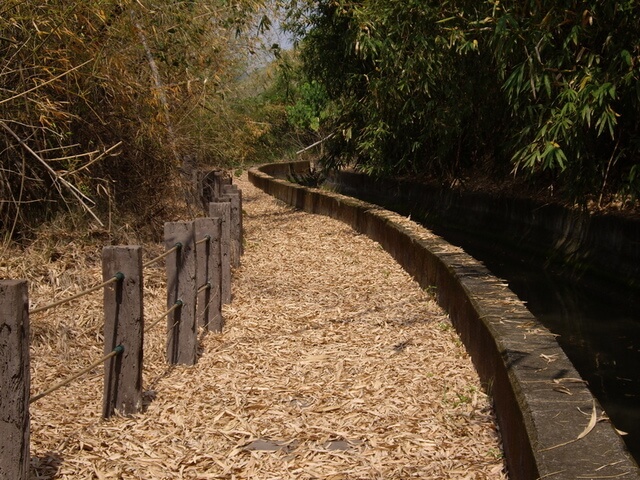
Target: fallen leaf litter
[[333, 364]]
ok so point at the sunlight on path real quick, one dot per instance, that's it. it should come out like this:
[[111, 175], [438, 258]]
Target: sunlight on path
[[333, 364]]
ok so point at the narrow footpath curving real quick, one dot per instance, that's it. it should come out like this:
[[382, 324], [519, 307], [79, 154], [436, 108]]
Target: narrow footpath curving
[[333, 364], [332, 349]]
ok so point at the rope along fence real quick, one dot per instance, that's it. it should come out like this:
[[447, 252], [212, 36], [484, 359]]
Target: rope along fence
[[198, 259], [118, 277], [178, 304], [175, 248], [116, 351]]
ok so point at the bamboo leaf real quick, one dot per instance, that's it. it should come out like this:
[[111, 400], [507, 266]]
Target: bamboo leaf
[[591, 424]]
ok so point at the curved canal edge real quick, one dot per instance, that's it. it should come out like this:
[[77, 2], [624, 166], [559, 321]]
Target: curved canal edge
[[543, 407]]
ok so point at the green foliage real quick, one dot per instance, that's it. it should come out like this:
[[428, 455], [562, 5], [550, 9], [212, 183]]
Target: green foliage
[[550, 87], [262, 109], [393, 70], [290, 108], [570, 75], [311, 107]]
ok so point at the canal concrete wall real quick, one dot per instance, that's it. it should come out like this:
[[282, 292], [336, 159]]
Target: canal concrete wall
[[543, 408], [601, 250]]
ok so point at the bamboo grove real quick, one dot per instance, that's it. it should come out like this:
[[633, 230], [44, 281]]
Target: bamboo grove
[[101, 101], [548, 91]]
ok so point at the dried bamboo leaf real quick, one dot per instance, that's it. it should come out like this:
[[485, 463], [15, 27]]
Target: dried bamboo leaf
[[308, 358]]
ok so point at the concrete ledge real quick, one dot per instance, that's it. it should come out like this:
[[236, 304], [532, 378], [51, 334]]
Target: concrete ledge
[[541, 404]]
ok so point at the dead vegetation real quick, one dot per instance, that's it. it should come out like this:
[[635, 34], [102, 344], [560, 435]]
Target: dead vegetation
[[333, 364], [104, 104]]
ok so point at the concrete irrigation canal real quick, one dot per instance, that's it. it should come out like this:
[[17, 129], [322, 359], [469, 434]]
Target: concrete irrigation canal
[[551, 425]]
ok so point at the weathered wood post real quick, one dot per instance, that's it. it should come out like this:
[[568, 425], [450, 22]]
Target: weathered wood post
[[182, 331], [217, 180], [230, 194], [209, 273], [222, 210], [14, 380], [231, 191], [123, 326]]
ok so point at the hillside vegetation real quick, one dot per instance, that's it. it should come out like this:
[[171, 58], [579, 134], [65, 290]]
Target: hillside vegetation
[[546, 92], [104, 104]]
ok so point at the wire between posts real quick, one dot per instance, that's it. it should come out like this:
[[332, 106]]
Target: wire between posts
[[116, 351], [171, 330], [157, 320], [207, 238], [206, 286], [176, 247], [118, 277]]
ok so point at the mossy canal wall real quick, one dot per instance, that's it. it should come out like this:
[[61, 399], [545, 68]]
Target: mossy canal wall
[[542, 406]]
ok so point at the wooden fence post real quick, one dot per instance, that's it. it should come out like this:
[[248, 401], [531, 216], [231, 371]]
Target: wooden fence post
[[14, 380], [208, 272], [222, 210], [231, 191], [182, 331], [123, 325], [234, 200], [233, 260]]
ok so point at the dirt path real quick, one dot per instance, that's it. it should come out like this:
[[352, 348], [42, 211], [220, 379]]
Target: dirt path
[[333, 364]]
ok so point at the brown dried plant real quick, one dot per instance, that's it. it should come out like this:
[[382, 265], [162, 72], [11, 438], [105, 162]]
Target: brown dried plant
[[99, 103]]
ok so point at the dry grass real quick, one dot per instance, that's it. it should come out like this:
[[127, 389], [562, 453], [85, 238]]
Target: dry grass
[[331, 354]]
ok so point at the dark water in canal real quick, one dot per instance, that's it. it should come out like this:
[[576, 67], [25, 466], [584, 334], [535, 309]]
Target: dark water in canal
[[598, 330], [599, 333]]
